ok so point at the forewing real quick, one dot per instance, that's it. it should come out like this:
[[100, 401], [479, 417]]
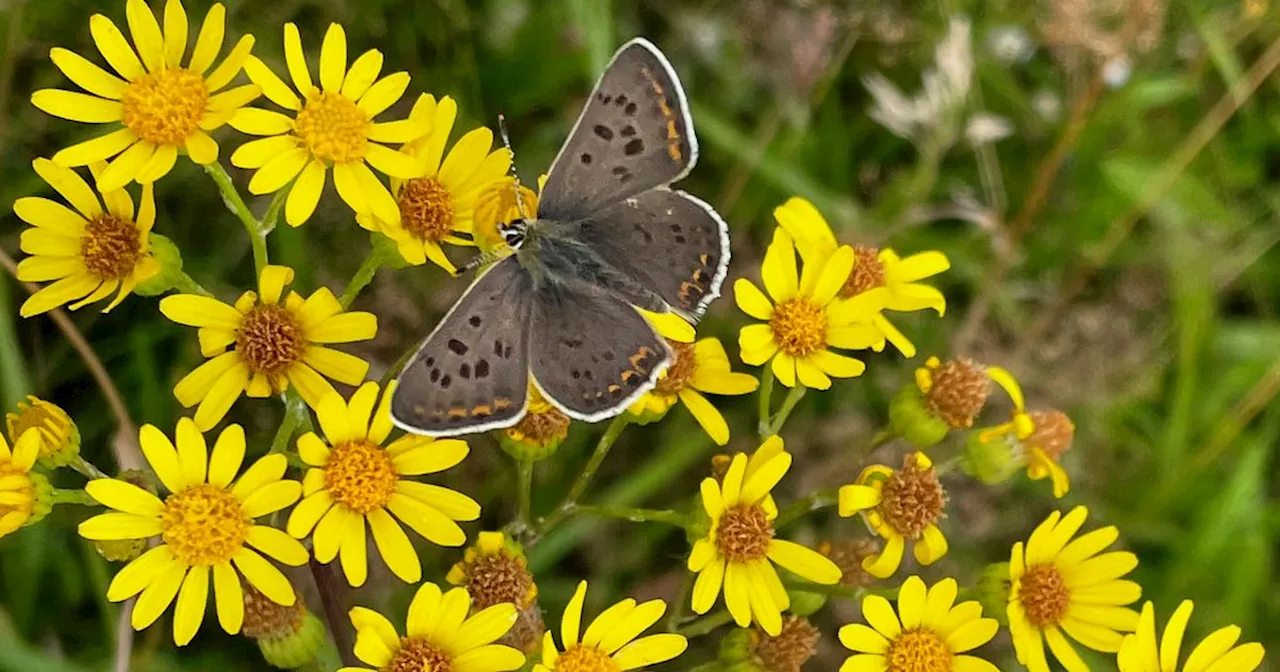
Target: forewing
[[592, 354], [634, 134], [667, 242], [472, 372]]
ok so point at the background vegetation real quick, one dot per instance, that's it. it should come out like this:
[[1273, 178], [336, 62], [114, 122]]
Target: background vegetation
[[1116, 252]]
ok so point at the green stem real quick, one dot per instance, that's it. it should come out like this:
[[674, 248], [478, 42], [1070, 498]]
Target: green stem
[[295, 416], [231, 197], [713, 666], [187, 285], [272, 215], [73, 497], [362, 278], [632, 514], [766, 399], [836, 590], [589, 472], [801, 507], [706, 624], [86, 469], [793, 397], [526, 493], [681, 603]]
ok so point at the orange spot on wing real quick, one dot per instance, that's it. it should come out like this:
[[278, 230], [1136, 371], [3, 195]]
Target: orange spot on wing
[[673, 131]]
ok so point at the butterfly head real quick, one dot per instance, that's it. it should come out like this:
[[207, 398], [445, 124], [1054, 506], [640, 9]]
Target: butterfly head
[[514, 232]]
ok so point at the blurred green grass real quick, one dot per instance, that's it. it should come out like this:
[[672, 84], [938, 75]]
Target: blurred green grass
[[1168, 360]]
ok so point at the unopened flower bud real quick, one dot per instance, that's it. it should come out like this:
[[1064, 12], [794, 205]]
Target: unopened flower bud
[[990, 459], [538, 434], [993, 591], [909, 419], [288, 637], [59, 436], [169, 257]]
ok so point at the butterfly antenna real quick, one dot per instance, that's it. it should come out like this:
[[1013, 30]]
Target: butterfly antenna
[[506, 142]]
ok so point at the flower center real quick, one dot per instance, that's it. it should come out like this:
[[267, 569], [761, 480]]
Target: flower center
[[204, 525], [426, 209], [678, 375], [165, 107], [110, 247], [788, 652], [580, 658], [269, 339], [416, 654], [912, 499], [959, 391], [1054, 431], [799, 326], [332, 127], [264, 619], [918, 650], [500, 578], [541, 428], [744, 533], [360, 475], [867, 273], [1044, 595]]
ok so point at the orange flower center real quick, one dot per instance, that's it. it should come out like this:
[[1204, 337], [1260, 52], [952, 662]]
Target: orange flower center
[[912, 499], [500, 578], [1044, 595], [416, 654], [332, 127], [165, 107], [919, 650], [959, 391], [426, 209], [580, 658], [360, 475], [1053, 434], [204, 525], [791, 649], [799, 326], [867, 273], [744, 533], [264, 619], [111, 247], [270, 339], [680, 373]]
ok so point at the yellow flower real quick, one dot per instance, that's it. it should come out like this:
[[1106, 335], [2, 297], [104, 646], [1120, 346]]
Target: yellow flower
[[928, 632], [59, 437], [873, 268], [436, 206], [17, 487], [495, 571], [609, 643], [740, 547], [354, 479], [1039, 437], [1139, 652], [160, 106], [497, 205], [1066, 588], [332, 126], [275, 340], [439, 636], [90, 252], [899, 506], [696, 368], [205, 527], [804, 319]]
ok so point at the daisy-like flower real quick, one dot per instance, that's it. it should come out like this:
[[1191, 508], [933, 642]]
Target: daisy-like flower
[[1067, 588], [803, 319], [275, 341], [160, 106], [873, 268], [899, 506], [435, 207], [1140, 652], [1037, 438], [928, 632], [59, 436], [439, 637], [609, 643], [331, 127], [89, 252], [205, 527], [739, 550], [696, 368], [354, 479], [18, 484], [495, 571]]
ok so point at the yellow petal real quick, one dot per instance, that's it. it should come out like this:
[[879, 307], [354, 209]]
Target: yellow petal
[[362, 74], [333, 59], [272, 86], [296, 61], [192, 599], [209, 41], [305, 193], [175, 43], [77, 106], [236, 59], [114, 48], [146, 34], [384, 93], [87, 75]]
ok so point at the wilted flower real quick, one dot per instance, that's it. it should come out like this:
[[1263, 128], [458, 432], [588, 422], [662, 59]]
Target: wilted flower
[[1037, 438], [495, 571], [288, 636], [849, 554], [1140, 652], [609, 642], [899, 506]]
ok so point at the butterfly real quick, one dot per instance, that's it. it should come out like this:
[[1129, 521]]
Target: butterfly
[[610, 236]]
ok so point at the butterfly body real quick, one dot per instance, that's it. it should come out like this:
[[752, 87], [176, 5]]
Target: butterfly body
[[610, 236]]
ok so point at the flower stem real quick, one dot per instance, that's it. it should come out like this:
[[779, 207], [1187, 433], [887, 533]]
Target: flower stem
[[681, 603], [333, 596], [766, 400], [793, 397], [632, 514], [295, 416], [705, 625], [589, 472], [801, 507], [73, 497], [231, 197], [362, 278], [187, 285], [85, 468], [526, 493]]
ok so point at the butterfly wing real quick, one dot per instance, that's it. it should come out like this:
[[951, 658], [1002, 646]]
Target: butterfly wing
[[666, 241], [592, 354], [472, 373], [634, 134]]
